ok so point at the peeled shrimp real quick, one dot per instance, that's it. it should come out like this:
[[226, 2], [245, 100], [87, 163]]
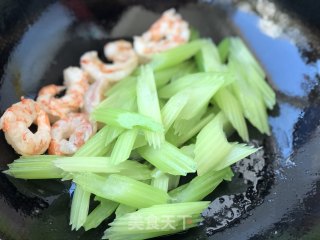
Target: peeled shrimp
[[69, 134], [124, 60], [75, 83], [94, 95], [169, 31], [15, 123]]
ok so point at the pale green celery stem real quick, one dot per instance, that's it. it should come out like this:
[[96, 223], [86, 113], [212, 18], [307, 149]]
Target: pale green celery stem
[[124, 209], [173, 181], [223, 48], [161, 182], [123, 146], [79, 207], [100, 213], [180, 140], [208, 58]]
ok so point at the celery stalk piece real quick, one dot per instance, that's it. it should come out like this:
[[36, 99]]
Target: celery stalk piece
[[95, 145], [195, 80], [140, 142], [34, 167], [201, 186], [125, 99], [79, 207], [189, 150], [102, 165], [168, 159], [194, 34], [252, 105], [173, 181], [174, 192], [238, 152], [148, 103], [172, 109], [112, 134], [208, 58], [123, 85], [182, 216], [123, 210], [162, 77], [212, 145], [233, 111], [100, 213], [175, 55], [123, 146], [223, 48], [179, 140], [121, 189], [125, 119], [160, 180]]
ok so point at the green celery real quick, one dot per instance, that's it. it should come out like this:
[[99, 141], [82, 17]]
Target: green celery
[[173, 181], [123, 146], [79, 207], [172, 109], [148, 103], [100, 213], [223, 49], [201, 186], [125, 119], [188, 150], [121, 189], [179, 140], [175, 55], [194, 34], [208, 58], [168, 159], [182, 216], [112, 134], [135, 170], [95, 146], [233, 111], [124, 209], [160, 180], [122, 86], [34, 167]]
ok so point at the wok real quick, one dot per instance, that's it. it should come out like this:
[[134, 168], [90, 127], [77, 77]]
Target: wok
[[274, 195]]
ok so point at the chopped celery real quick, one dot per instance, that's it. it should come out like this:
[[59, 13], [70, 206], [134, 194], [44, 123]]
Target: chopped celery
[[168, 159], [125, 119], [79, 207], [122, 86], [121, 189], [188, 150], [211, 145], [34, 167], [182, 216], [160, 180], [140, 141], [172, 109], [208, 58], [112, 134], [173, 181], [238, 152], [99, 165], [148, 103], [201, 186], [100, 213], [135, 170], [123, 146], [123, 100], [162, 77], [233, 111], [195, 80], [175, 55], [179, 140], [223, 49], [194, 34], [124, 209], [95, 145]]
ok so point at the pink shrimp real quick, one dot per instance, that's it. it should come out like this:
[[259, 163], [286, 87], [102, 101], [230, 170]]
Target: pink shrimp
[[15, 123], [124, 60], [69, 134], [169, 31], [76, 83]]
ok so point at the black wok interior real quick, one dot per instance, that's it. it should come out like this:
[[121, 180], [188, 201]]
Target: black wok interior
[[38, 39]]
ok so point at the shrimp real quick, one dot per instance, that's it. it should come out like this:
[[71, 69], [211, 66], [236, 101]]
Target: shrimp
[[75, 83], [69, 134], [15, 123], [169, 31], [124, 60], [95, 95]]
